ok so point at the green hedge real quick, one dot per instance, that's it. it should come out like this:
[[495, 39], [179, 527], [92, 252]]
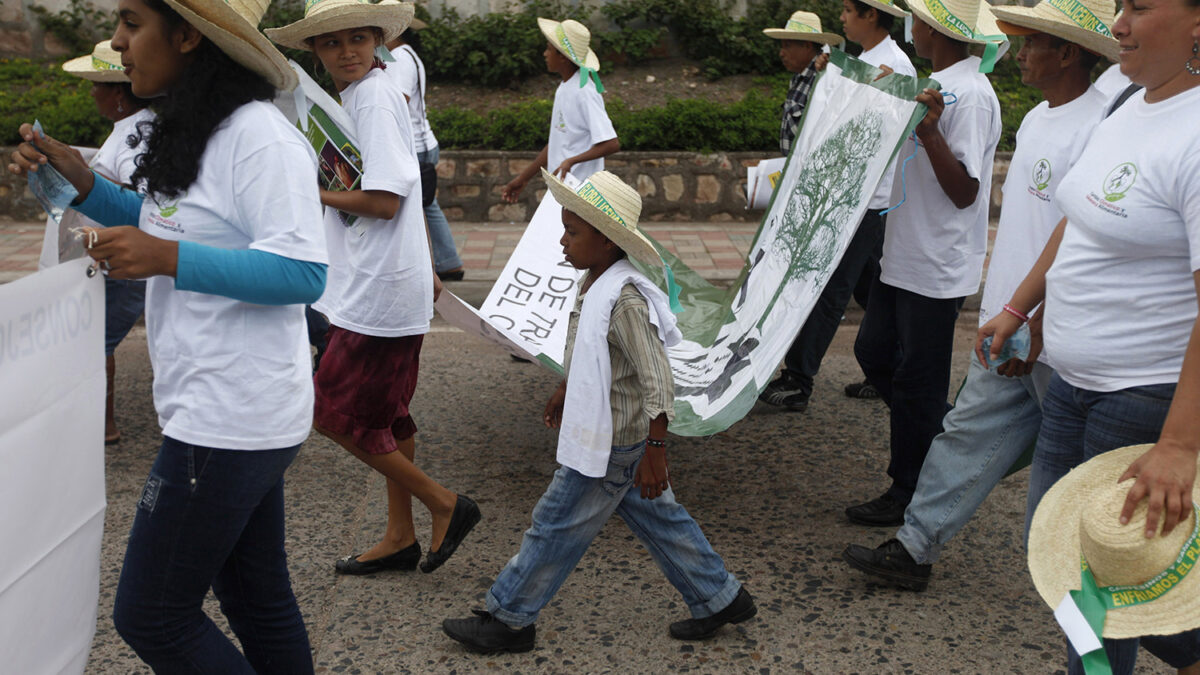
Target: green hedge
[[31, 89]]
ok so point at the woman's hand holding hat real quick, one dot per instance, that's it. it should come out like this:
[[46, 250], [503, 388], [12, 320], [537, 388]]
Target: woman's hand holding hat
[[37, 150], [1165, 475]]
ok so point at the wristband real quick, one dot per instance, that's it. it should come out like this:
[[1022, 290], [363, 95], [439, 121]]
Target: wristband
[[656, 443], [1019, 315]]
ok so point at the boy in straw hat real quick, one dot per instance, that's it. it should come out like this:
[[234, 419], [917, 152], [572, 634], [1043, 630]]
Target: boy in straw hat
[[998, 411], [581, 135], [933, 247], [868, 25], [800, 46], [612, 412]]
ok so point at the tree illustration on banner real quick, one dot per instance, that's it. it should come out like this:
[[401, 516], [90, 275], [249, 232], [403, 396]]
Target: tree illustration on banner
[[825, 197]]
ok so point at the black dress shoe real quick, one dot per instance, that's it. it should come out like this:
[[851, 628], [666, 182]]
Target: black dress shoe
[[404, 559], [741, 609], [466, 514], [485, 634], [889, 562], [882, 511]]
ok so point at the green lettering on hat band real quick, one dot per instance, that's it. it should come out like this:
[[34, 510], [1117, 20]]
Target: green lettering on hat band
[[591, 195], [1081, 16], [1126, 596], [566, 44], [944, 16], [795, 25], [99, 64]]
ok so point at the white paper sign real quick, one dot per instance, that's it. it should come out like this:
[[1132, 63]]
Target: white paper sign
[[761, 181], [51, 468]]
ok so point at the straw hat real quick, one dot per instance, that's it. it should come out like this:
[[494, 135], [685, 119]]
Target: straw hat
[[327, 16], [1086, 23], [233, 27], [610, 206], [885, 6], [1078, 519], [963, 20], [803, 26], [573, 39], [102, 65]]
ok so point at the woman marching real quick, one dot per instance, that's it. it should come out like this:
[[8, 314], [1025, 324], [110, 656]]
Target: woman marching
[[228, 231], [381, 285]]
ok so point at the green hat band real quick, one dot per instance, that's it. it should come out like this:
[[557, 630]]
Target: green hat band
[[588, 193], [100, 64], [566, 44], [1081, 16], [944, 16], [795, 25]]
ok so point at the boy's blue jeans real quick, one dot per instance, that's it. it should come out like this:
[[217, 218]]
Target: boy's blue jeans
[[445, 254], [571, 513]]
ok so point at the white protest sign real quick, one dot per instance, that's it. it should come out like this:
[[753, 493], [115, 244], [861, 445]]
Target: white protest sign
[[761, 181], [51, 467]]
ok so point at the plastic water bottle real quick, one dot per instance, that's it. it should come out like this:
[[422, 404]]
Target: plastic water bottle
[[54, 192], [1016, 347]]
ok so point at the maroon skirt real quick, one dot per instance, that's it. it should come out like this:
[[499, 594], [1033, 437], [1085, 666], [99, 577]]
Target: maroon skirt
[[364, 386]]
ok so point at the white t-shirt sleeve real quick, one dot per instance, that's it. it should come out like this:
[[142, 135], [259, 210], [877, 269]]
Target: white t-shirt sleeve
[[968, 133], [277, 202], [404, 72], [599, 127], [388, 162], [1188, 203]]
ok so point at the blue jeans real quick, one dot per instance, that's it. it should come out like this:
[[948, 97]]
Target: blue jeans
[[571, 513], [994, 421], [211, 518], [914, 381], [803, 358], [445, 254], [1077, 425], [124, 302]]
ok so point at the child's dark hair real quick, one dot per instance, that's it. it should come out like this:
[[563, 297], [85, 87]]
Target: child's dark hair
[[882, 19], [210, 88]]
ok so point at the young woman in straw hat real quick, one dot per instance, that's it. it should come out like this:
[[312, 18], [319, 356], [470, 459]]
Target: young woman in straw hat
[[612, 411], [581, 135], [229, 234], [1119, 280], [124, 299], [381, 285]]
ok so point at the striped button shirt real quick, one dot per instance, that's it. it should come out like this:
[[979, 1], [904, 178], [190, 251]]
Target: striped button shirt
[[642, 384]]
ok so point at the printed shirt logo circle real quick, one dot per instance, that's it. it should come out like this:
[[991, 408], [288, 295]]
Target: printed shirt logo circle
[[1041, 174], [1119, 181], [167, 210]]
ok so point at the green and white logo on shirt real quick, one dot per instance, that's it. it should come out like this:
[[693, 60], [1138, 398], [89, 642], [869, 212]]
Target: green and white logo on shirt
[[1119, 181], [1041, 174], [167, 210]]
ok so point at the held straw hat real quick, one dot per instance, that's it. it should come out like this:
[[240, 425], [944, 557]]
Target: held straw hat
[[102, 65], [963, 20], [1077, 520], [233, 27], [804, 26], [1087, 23], [610, 206], [327, 16], [573, 39], [886, 6]]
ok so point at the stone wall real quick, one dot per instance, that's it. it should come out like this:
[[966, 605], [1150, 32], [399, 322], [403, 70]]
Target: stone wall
[[21, 34], [675, 186]]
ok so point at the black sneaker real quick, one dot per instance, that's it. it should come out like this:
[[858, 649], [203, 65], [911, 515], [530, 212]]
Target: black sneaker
[[785, 393], [891, 563], [740, 609], [884, 510], [863, 389], [485, 634]]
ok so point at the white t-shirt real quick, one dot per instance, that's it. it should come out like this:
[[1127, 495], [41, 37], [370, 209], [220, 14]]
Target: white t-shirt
[[229, 374], [1120, 297], [380, 279], [1048, 143], [408, 71], [1112, 81], [931, 247], [887, 53], [577, 122]]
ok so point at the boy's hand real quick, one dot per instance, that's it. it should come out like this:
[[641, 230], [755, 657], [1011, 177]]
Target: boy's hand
[[935, 104], [512, 190], [552, 416], [652, 473], [564, 168]]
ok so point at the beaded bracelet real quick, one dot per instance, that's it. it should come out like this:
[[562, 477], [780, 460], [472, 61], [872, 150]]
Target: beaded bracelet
[[1014, 312], [656, 443]]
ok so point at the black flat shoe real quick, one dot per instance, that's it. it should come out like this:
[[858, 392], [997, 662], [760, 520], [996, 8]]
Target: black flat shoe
[[484, 634], [466, 514], [883, 511], [890, 562], [452, 275], [404, 559], [741, 609]]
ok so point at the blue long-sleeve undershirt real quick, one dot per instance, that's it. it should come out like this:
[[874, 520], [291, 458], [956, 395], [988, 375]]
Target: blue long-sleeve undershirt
[[247, 275]]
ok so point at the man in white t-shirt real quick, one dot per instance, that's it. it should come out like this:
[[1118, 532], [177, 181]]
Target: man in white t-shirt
[[868, 23], [998, 412], [581, 135], [933, 248]]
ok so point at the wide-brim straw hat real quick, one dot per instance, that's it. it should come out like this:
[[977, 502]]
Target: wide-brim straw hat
[[611, 206], [328, 16], [1086, 23], [1078, 518], [233, 27], [886, 6], [804, 26], [573, 39], [963, 20], [102, 65]]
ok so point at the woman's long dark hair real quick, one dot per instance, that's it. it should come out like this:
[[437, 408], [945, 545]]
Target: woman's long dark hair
[[209, 90]]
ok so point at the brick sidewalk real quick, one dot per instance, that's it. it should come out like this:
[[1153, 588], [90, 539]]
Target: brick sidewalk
[[714, 250]]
